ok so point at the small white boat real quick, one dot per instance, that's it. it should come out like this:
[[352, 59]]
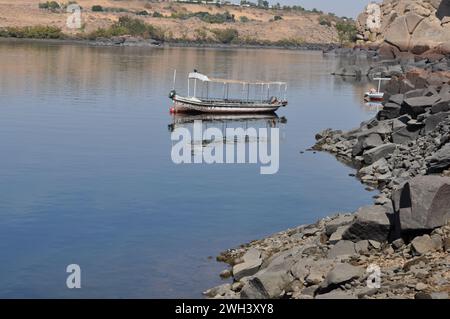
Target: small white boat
[[374, 94], [270, 97]]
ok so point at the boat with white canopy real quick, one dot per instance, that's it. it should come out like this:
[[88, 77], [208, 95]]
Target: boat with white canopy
[[374, 94], [249, 96]]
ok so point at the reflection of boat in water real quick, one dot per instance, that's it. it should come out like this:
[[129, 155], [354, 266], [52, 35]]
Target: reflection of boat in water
[[201, 100], [374, 94], [373, 106], [270, 119]]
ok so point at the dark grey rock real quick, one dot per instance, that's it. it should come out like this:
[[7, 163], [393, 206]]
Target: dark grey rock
[[339, 275], [269, 282], [418, 105], [366, 142], [440, 160], [337, 235], [332, 225], [342, 248], [406, 134], [413, 93], [371, 222], [371, 141], [398, 244], [433, 121], [397, 99], [374, 154], [423, 203], [389, 111], [443, 105]]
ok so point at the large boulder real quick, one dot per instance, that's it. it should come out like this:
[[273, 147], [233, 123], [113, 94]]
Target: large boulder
[[423, 244], [423, 203], [433, 121], [252, 262], [341, 274], [366, 142], [443, 105], [427, 33], [371, 222], [440, 160], [271, 281], [418, 105], [389, 111], [337, 222], [443, 10], [406, 134], [374, 154], [415, 26], [398, 34], [412, 21], [342, 248]]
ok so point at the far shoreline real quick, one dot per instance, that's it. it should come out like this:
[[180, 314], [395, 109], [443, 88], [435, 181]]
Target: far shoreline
[[149, 44]]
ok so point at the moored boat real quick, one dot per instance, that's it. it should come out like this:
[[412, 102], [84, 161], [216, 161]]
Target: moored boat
[[267, 97], [374, 94]]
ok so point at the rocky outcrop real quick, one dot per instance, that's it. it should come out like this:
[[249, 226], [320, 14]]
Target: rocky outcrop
[[302, 263], [403, 239], [371, 222], [423, 203], [406, 25]]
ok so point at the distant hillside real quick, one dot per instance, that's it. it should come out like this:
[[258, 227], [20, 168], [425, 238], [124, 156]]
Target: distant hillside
[[177, 21]]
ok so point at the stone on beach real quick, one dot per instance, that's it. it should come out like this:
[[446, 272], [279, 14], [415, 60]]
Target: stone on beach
[[406, 134], [440, 160], [252, 262], [419, 104], [342, 248], [371, 222], [374, 154], [271, 281], [337, 235], [334, 224], [423, 244], [341, 274], [423, 203], [366, 142]]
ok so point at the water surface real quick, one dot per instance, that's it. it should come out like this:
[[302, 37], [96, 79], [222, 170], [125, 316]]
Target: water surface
[[86, 175]]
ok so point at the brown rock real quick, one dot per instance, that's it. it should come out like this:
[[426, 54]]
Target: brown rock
[[398, 34]]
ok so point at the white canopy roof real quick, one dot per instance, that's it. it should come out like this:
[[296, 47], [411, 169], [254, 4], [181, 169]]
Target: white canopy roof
[[204, 78], [198, 76]]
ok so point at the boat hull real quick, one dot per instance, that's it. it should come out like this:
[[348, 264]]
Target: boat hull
[[374, 96], [186, 106]]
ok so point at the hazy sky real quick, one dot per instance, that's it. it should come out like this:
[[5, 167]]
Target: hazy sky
[[349, 8]]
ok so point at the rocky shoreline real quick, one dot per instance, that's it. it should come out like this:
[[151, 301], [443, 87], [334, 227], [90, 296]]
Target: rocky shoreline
[[399, 246], [128, 41]]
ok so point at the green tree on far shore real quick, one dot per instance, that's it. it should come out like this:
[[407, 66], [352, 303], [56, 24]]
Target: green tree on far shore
[[346, 32]]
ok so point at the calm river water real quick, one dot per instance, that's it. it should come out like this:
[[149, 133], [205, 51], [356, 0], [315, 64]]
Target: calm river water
[[86, 175]]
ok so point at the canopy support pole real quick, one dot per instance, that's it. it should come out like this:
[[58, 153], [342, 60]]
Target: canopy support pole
[[195, 87]]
